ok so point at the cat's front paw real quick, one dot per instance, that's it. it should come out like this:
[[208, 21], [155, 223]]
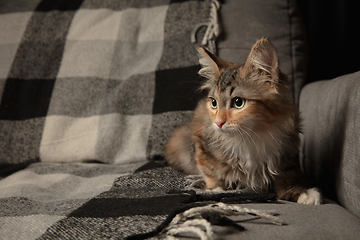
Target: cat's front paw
[[216, 189], [311, 197]]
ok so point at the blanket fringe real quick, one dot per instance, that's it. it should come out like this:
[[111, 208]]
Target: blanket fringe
[[198, 219], [212, 28], [188, 222]]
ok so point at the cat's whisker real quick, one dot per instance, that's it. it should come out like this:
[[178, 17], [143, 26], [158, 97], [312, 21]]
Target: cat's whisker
[[256, 146], [242, 136], [274, 138], [198, 131], [254, 133]]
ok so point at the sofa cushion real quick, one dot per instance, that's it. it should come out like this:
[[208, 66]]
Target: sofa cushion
[[331, 140], [243, 22], [326, 221], [96, 80]]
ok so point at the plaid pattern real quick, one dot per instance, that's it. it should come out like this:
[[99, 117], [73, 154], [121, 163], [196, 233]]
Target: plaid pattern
[[85, 201], [95, 80], [92, 80], [94, 201]]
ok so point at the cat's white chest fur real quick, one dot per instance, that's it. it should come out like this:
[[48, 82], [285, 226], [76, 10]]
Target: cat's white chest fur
[[249, 159]]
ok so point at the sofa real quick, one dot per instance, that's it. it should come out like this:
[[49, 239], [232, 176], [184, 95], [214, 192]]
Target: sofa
[[91, 91]]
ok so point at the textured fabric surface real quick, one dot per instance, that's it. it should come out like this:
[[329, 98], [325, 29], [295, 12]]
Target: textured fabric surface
[[43, 194], [327, 221], [279, 21], [332, 138], [101, 201], [92, 80]]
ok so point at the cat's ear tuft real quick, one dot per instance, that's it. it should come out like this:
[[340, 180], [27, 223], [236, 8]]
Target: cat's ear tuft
[[263, 58], [210, 64], [209, 68]]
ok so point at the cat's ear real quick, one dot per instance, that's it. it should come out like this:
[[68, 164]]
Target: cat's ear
[[210, 64], [263, 58]]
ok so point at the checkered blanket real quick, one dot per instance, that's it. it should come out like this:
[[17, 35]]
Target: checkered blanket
[[90, 91], [85, 80], [92, 201], [84, 201]]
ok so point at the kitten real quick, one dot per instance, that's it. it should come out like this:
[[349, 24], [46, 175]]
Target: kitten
[[245, 133]]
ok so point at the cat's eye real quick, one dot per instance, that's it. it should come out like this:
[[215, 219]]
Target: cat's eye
[[238, 102], [213, 103]]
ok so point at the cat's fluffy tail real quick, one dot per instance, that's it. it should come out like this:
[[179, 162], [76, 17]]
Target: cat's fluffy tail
[[180, 151]]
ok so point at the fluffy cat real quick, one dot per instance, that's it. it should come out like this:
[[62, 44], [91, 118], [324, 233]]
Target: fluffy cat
[[245, 133]]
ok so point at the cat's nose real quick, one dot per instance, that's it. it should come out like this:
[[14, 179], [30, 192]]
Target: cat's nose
[[219, 123]]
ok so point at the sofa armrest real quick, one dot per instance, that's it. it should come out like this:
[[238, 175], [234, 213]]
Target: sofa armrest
[[331, 140]]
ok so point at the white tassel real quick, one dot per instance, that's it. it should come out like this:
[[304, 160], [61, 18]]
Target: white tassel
[[212, 28], [194, 226], [192, 229], [182, 224]]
